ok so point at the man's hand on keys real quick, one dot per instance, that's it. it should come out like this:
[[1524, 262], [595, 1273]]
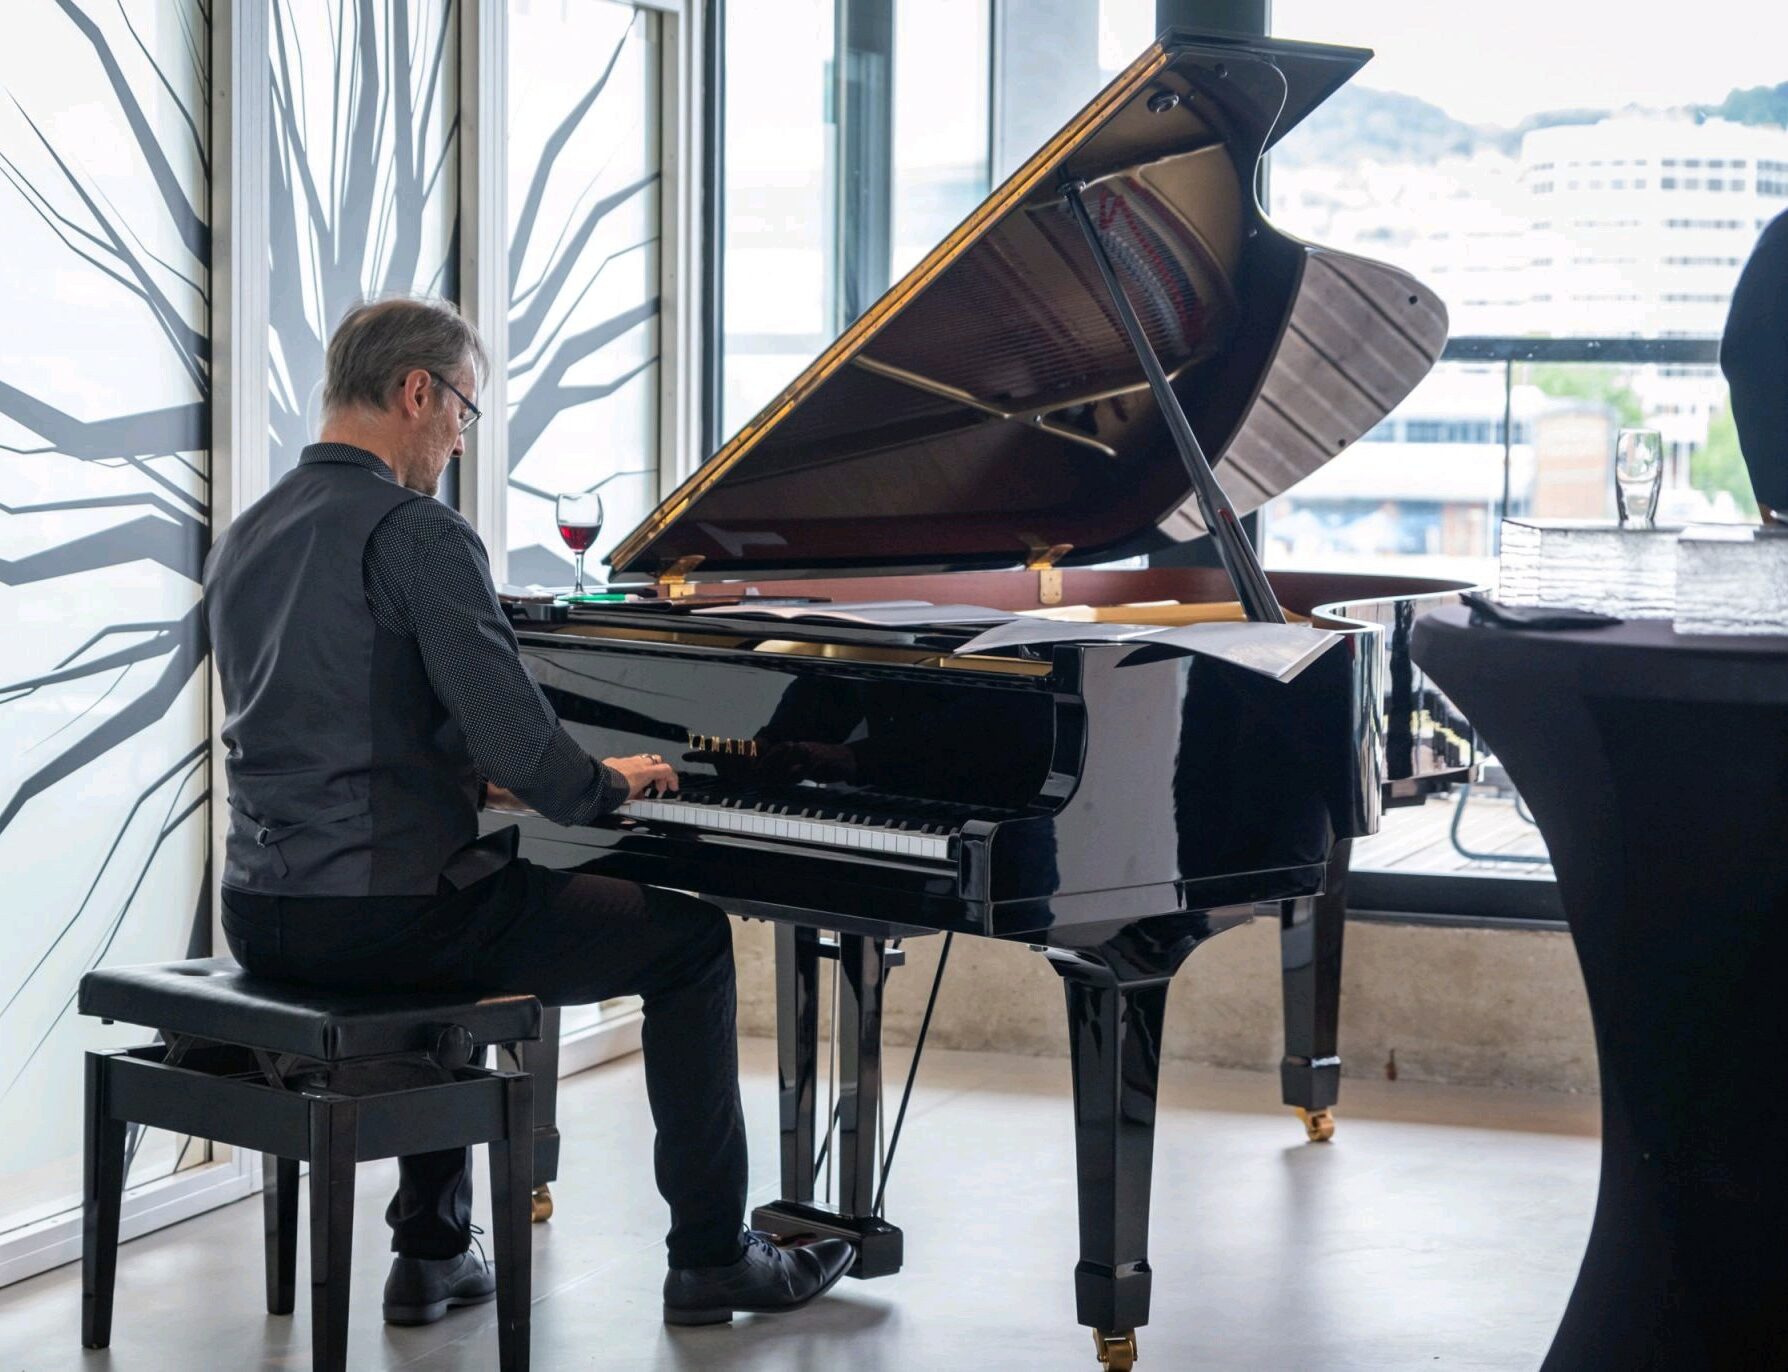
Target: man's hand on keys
[[647, 774]]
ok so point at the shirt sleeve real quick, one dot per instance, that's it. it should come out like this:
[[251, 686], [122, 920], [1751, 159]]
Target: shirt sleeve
[[474, 664]]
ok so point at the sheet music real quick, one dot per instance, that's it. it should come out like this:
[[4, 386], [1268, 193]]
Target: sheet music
[[882, 614], [1026, 631], [1279, 651]]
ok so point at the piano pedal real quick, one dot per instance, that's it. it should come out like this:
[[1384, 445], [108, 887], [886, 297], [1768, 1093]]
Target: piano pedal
[[881, 1248], [1319, 1125], [1117, 1352], [541, 1208]]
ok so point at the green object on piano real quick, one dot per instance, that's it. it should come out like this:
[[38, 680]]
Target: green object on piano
[[592, 598]]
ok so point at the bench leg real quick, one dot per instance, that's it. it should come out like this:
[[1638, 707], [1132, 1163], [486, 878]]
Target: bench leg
[[333, 1125], [511, 1182], [102, 1199], [279, 1215]]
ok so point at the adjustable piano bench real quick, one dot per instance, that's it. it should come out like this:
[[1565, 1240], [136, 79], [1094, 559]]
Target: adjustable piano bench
[[304, 1075]]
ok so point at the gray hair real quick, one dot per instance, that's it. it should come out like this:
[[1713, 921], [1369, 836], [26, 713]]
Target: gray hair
[[379, 342]]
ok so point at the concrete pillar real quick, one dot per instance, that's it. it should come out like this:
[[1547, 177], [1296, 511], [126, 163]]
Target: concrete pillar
[[1231, 16]]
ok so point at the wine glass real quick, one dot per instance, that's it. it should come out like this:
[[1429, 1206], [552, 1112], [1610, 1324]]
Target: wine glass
[[580, 520], [1638, 475]]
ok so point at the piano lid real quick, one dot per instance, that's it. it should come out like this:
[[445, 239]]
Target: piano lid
[[988, 412]]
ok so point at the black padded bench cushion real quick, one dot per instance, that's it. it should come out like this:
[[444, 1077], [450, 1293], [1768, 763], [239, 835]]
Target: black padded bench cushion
[[213, 998]]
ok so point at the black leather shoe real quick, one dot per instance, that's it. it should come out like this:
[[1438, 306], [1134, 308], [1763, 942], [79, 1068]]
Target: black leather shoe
[[766, 1280], [421, 1290]]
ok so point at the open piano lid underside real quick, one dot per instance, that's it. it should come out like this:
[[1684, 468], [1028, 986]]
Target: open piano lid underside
[[988, 410]]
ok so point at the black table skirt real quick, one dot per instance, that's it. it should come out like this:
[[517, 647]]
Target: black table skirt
[[1657, 769]]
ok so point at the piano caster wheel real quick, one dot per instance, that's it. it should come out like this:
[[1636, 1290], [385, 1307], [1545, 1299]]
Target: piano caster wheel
[[1319, 1125], [1117, 1352], [542, 1208]]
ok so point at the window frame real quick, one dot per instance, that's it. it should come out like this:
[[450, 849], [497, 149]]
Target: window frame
[[861, 129], [683, 285]]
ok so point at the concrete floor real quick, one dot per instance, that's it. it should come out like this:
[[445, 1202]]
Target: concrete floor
[[1442, 1229]]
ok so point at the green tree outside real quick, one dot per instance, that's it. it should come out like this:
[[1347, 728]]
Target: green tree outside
[[1720, 466], [1600, 383]]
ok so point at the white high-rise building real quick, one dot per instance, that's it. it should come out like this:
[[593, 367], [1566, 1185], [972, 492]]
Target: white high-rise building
[[1639, 224], [1634, 226]]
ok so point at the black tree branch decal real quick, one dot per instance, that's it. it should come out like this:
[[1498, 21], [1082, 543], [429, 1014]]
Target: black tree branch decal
[[145, 468], [349, 218], [548, 336]]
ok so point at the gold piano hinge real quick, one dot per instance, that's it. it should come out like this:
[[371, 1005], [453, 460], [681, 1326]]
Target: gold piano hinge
[[1042, 561], [675, 577]]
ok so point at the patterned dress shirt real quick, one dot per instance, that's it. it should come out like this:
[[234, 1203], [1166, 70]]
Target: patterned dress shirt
[[428, 578]]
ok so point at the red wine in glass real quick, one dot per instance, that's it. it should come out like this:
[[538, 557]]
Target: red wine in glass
[[578, 537], [580, 520]]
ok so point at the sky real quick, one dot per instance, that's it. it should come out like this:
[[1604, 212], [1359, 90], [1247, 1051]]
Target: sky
[[1496, 63]]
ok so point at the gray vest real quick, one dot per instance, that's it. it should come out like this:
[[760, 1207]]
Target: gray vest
[[347, 775]]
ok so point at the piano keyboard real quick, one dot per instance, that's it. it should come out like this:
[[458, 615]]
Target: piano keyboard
[[804, 818]]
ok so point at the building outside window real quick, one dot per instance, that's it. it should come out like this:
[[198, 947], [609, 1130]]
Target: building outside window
[[1543, 193]]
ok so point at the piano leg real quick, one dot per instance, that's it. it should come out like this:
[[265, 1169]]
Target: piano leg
[[862, 973], [540, 1060], [862, 981], [1117, 999], [797, 1053], [1310, 932]]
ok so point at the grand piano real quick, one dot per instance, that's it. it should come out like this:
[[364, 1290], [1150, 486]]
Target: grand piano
[[1115, 356]]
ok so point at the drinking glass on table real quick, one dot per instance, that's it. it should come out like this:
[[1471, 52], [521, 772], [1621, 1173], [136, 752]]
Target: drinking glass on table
[[1638, 475], [580, 520]]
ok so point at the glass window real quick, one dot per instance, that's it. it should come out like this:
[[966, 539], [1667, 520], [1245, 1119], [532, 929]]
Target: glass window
[[1455, 154], [584, 197], [1435, 155], [104, 378], [780, 178], [1421, 492], [365, 183], [585, 163], [786, 239], [1126, 27], [941, 149]]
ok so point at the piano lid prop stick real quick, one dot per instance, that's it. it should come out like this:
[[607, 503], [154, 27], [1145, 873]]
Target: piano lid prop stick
[[1245, 573]]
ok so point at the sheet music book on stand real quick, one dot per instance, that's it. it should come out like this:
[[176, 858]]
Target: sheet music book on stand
[[881, 614], [1279, 651]]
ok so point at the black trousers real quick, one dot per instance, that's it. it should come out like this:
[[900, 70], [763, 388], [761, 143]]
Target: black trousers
[[570, 938]]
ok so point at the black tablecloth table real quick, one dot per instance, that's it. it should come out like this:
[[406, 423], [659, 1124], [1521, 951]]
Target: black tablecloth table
[[1657, 767]]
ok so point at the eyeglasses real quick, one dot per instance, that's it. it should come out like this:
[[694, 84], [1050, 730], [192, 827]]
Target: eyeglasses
[[473, 413]]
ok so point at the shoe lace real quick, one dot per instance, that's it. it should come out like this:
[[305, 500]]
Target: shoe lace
[[477, 1232]]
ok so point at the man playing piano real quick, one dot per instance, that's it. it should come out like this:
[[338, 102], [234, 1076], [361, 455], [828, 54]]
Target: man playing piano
[[374, 699]]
